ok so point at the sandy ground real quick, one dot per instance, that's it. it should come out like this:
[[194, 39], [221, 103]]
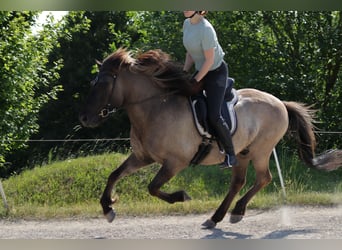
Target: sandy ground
[[280, 223]]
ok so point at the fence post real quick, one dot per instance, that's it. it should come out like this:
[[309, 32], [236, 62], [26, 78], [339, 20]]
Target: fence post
[[3, 196], [279, 173]]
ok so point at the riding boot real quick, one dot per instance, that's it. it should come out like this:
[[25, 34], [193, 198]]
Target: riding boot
[[225, 138]]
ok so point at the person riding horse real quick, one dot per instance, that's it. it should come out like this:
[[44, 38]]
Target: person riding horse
[[203, 50]]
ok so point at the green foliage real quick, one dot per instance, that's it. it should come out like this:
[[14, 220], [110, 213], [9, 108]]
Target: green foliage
[[162, 30], [23, 72]]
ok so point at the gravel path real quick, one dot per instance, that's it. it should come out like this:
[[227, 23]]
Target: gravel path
[[280, 223]]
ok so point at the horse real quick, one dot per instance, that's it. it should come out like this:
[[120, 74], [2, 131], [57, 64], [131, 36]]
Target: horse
[[154, 91]]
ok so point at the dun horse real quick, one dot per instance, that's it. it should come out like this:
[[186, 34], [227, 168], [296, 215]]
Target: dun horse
[[152, 89]]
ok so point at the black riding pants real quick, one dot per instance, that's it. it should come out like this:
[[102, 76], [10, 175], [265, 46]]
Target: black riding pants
[[215, 85]]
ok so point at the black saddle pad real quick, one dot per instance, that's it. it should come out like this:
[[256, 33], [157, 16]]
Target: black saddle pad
[[199, 108]]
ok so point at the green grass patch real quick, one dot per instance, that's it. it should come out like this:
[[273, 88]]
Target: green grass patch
[[72, 188]]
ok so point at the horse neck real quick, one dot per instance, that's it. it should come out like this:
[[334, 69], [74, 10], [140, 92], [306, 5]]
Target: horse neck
[[142, 97], [139, 88], [155, 106], [165, 112]]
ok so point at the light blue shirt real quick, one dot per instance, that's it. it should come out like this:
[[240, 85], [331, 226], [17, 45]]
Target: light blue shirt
[[200, 37]]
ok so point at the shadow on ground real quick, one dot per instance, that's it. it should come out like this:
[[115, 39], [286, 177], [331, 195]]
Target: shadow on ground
[[278, 234]]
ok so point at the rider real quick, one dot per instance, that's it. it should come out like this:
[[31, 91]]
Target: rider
[[203, 50]]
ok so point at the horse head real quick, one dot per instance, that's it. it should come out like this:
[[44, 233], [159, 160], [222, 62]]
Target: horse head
[[105, 95]]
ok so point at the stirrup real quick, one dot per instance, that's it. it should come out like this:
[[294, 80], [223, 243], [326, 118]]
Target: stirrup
[[229, 161]]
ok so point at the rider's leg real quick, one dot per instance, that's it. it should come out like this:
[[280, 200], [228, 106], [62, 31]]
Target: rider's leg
[[215, 95]]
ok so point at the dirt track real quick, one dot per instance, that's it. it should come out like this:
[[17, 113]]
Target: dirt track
[[282, 223]]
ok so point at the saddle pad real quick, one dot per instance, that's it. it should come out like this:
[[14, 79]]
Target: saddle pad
[[230, 117]]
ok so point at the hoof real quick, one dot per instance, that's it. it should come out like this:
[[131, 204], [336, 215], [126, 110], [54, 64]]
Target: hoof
[[235, 218], [209, 224], [110, 216]]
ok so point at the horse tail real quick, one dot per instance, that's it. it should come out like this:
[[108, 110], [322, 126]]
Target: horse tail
[[301, 119], [302, 130]]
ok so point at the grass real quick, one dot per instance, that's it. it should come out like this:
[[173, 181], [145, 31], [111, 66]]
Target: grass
[[72, 188]]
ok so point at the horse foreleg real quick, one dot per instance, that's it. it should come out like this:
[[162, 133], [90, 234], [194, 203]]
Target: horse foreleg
[[130, 165], [238, 180], [263, 177], [166, 172]]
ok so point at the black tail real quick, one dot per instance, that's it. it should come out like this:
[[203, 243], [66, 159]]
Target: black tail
[[301, 127]]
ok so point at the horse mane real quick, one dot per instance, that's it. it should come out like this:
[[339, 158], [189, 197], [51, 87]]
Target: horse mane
[[156, 64], [118, 60]]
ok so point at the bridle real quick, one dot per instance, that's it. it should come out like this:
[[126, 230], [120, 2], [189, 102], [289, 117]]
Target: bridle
[[105, 112], [109, 109]]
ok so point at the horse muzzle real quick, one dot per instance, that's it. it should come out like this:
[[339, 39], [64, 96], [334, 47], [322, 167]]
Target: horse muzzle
[[89, 121]]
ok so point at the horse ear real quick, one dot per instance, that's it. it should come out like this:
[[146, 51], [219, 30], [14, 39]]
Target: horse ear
[[99, 64]]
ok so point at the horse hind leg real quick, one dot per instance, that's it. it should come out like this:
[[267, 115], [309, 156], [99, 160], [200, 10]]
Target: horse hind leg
[[263, 178], [166, 172], [130, 165], [238, 180]]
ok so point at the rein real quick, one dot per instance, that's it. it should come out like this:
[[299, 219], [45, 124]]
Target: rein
[[105, 112]]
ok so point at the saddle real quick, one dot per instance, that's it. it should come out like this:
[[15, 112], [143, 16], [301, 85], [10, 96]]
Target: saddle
[[199, 106]]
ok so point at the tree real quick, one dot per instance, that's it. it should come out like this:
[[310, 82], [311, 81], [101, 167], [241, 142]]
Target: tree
[[23, 71], [82, 37], [161, 30], [307, 52]]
